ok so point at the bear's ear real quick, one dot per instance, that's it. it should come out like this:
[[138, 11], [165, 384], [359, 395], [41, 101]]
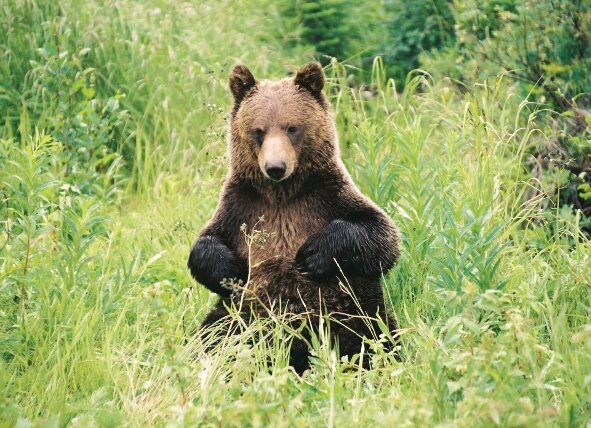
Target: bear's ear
[[241, 81], [311, 77]]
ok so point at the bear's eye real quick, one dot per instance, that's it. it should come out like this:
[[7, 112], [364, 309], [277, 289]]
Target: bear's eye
[[292, 129], [259, 136]]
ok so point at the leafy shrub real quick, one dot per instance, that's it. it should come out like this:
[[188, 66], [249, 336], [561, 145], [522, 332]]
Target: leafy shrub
[[545, 47], [48, 227], [89, 128], [396, 30], [55, 89], [327, 25], [413, 27], [23, 29]]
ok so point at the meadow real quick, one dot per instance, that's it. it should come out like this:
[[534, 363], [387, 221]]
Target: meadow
[[112, 157]]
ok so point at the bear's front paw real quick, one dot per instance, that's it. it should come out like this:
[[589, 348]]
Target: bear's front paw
[[211, 262], [315, 259]]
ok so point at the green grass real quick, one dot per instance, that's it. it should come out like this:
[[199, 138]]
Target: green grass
[[98, 312]]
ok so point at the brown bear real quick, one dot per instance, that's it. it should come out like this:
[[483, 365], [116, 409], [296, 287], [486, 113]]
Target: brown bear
[[328, 245]]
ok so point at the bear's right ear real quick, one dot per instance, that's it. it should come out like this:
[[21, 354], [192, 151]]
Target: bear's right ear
[[241, 81]]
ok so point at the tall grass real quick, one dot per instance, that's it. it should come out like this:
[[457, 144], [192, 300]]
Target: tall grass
[[98, 313]]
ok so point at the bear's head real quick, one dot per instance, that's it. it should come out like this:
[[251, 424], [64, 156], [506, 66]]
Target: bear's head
[[281, 132]]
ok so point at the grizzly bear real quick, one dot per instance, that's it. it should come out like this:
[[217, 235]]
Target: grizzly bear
[[327, 244]]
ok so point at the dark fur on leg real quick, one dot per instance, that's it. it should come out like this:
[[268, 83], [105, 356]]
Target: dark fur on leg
[[211, 261]]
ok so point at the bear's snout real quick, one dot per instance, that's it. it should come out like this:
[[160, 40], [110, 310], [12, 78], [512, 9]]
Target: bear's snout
[[275, 170], [277, 157]]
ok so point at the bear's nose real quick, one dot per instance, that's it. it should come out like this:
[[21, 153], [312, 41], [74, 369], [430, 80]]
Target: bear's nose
[[275, 170]]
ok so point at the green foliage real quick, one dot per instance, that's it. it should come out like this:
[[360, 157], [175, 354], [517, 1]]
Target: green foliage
[[88, 127], [543, 44], [58, 93], [397, 30], [545, 47], [24, 29], [326, 25], [482, 20], [413, 27]]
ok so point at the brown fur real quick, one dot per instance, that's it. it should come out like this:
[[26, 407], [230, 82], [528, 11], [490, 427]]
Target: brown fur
[[315, 213]]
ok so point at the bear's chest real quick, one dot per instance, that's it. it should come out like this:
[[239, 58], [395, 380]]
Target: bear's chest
[[276, 230]]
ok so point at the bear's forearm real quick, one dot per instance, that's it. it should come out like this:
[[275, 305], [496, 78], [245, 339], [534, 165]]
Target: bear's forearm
[[211, 261], [366, 247]]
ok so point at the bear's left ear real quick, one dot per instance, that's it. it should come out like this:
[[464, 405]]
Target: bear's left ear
[[311, 77], [241, 81]]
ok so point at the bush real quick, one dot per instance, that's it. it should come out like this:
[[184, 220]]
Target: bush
[[56, 92], [545, 47], [412, 28], [326, 25]]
